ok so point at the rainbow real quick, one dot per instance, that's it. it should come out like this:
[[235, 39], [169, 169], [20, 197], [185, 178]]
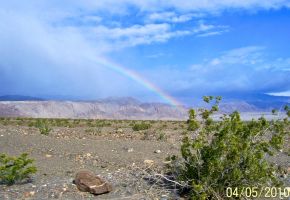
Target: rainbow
[[138, 78]]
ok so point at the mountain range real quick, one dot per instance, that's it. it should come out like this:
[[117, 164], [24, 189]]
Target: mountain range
[[120, 108]]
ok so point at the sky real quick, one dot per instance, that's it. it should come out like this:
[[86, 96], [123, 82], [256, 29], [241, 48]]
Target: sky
[[155, 50]]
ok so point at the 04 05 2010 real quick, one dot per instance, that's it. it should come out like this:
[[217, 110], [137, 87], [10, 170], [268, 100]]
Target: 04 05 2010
[[255, 192]]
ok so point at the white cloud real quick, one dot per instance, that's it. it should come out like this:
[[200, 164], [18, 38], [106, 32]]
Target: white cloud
[[157, 9], [136, 34], [205, 30], [281, 94], [246, 55], [241, 69], [91, 19], [212, 33], [171, 17], [209, 6], [164, 16], [120, 37]]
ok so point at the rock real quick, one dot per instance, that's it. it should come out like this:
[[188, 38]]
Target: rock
[[149, 162], [104, 165], [157, 151], [166, 162], [48, 155], [95, 162], [29, 194], [87, 181], [128, 149], [164, 197], [119, 130]]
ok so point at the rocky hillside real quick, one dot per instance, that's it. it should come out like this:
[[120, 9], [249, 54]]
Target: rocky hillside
[[118, 108], [124, 108]]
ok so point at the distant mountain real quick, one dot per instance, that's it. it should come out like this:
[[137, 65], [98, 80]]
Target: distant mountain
[[19, 98], [121, 101], [112, 108], [241, 106], [260, 101], [125, 108]]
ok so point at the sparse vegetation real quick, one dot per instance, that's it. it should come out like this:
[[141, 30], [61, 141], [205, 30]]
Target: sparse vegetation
[[214, 155], [146, 136], [15, 169], [43, 127], [161, 136], [230, 153], [94, 131], [141, 126]]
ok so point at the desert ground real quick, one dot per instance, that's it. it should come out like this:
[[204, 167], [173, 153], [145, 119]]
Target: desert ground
[[109, 148]]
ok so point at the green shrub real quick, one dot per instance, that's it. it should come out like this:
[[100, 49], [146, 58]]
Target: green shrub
[[229, 153], [102, 123], [43, 127], [141, 126], [161, 136], [31, 124], [14, 169]]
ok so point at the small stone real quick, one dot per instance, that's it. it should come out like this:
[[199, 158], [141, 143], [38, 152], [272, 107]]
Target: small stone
[[48, 155], [164, 197], [149, 162], [2, 135], [95, 163], [103, 166], [119, 130], [130, 150], [89, 155], [29, 194], [157, 151]]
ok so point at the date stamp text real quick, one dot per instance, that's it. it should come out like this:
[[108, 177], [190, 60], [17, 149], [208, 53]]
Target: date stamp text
[[258, 192]]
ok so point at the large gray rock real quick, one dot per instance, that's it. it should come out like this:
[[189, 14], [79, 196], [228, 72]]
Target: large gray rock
[[87, 181]]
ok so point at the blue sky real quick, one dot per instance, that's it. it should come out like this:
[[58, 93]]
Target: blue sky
[[186, 48]]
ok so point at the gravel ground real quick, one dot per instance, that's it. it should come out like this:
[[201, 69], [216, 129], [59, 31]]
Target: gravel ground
[[116, 153], [59, 158]]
